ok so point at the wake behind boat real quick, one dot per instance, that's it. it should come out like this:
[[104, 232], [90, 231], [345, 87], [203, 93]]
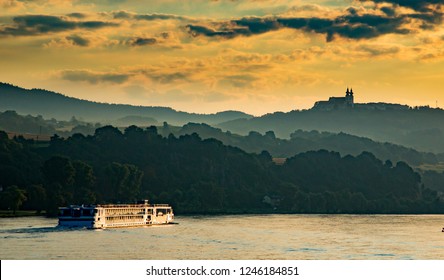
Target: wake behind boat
[[115, 215]]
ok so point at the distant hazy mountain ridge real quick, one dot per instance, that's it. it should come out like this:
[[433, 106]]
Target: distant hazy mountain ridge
[[304, 141], [55, 105], [421, 128]]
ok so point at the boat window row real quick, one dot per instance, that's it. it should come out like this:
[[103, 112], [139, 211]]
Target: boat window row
[[114, 211], [126, 218], [77, 212]]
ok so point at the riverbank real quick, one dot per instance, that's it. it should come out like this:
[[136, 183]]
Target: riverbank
[[19, 213]]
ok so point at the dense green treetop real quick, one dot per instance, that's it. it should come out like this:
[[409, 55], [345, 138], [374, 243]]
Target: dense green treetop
[[206, 176]]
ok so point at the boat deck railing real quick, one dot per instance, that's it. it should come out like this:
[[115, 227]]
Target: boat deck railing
[[131, 205], [116, 206]]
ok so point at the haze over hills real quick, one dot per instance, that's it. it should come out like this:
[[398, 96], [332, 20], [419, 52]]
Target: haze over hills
[[421, 128], [55, 105], [304, 141], [255, 142], [219, 177]]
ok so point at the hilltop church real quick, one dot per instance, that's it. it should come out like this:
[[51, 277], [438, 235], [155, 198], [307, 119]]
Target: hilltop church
[[336, 102]]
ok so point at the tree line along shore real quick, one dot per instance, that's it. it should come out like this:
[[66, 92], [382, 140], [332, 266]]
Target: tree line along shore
[[202, 176]]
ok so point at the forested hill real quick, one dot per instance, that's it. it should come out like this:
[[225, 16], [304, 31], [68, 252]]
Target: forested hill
[[254, 142], [419, 128], [303, 141], [55, 105], [204, 176]]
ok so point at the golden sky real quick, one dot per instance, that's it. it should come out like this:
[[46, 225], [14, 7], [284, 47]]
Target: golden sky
[[205, 56]]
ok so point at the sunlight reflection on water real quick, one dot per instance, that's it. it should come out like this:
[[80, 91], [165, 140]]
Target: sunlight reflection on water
[[233, 237]]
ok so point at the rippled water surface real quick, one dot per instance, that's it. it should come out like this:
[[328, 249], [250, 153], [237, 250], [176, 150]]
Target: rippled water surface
[[233, 237]]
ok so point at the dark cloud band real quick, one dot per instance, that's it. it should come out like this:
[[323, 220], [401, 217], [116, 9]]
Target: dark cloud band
[[147, 17], [142, 41], [78, 40], [351, 24], [41, 24], [94, 78], [417, 5]]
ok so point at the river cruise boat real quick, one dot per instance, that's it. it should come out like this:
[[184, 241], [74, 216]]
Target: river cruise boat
[[115, 215]]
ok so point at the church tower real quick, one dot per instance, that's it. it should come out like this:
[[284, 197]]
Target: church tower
[[349, 99]]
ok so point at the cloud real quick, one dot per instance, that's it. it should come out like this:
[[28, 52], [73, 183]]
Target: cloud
[[81, 40], [389, 11], [349, 26], [122, 15], [163, 39], [77, 15], [94, 77], [418, 5], [138, 41], [158, 16], [378, 50], [102, 2], [353, 23], [257, 25], [167, 78], [11, 4], [78, 40], [239, 81], [41, 24], [147, 17], [196, 30], [158, 75]]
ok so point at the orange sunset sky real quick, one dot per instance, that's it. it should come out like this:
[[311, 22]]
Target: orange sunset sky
[[205, 56]]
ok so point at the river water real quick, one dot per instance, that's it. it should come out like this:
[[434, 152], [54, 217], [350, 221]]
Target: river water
[[302, 237]]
